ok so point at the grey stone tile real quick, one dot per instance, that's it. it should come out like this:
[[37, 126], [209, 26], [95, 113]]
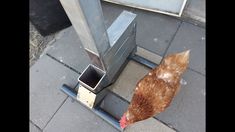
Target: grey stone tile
[[195, 9], [111, 12], [114, 105], [193, 38], [46, 78], [187, 110], [155, 31], [148, 55], [73, 117], [125, 84], [33, 128], [69, 50], [148, 125]]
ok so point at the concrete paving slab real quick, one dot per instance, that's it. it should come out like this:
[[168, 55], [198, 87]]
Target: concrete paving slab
[[196, 10], [112, 11], [114, 105], [155, 31], [187, 111], [46, 77], [193, 38], [69, 50], [73, 117], [148, 125], [33, 128], [148, 55], [125, 84]]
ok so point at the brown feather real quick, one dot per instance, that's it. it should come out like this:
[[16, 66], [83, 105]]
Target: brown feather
[[155, 91]]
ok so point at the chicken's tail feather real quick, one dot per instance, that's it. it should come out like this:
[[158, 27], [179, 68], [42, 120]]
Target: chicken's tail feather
[[185, 55]]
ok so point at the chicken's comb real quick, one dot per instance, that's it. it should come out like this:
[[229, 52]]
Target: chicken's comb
[[122, 121]]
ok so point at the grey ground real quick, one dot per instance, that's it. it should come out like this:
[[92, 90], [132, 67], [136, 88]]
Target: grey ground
[[64, 59], [194, 12]]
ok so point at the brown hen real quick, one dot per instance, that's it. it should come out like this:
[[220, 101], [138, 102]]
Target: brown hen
[[155, 91]]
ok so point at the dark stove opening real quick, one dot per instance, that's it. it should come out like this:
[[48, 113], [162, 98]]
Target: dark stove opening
[[91, 76]]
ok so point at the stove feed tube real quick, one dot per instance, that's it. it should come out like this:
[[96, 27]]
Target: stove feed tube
[[87, 19], [108, 50], [92, 78]]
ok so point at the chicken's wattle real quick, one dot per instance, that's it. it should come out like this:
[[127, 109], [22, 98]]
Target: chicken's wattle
[[123, 121]]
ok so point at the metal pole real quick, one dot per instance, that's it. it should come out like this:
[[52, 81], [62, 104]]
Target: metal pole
[[87, 19], [108, 50]]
